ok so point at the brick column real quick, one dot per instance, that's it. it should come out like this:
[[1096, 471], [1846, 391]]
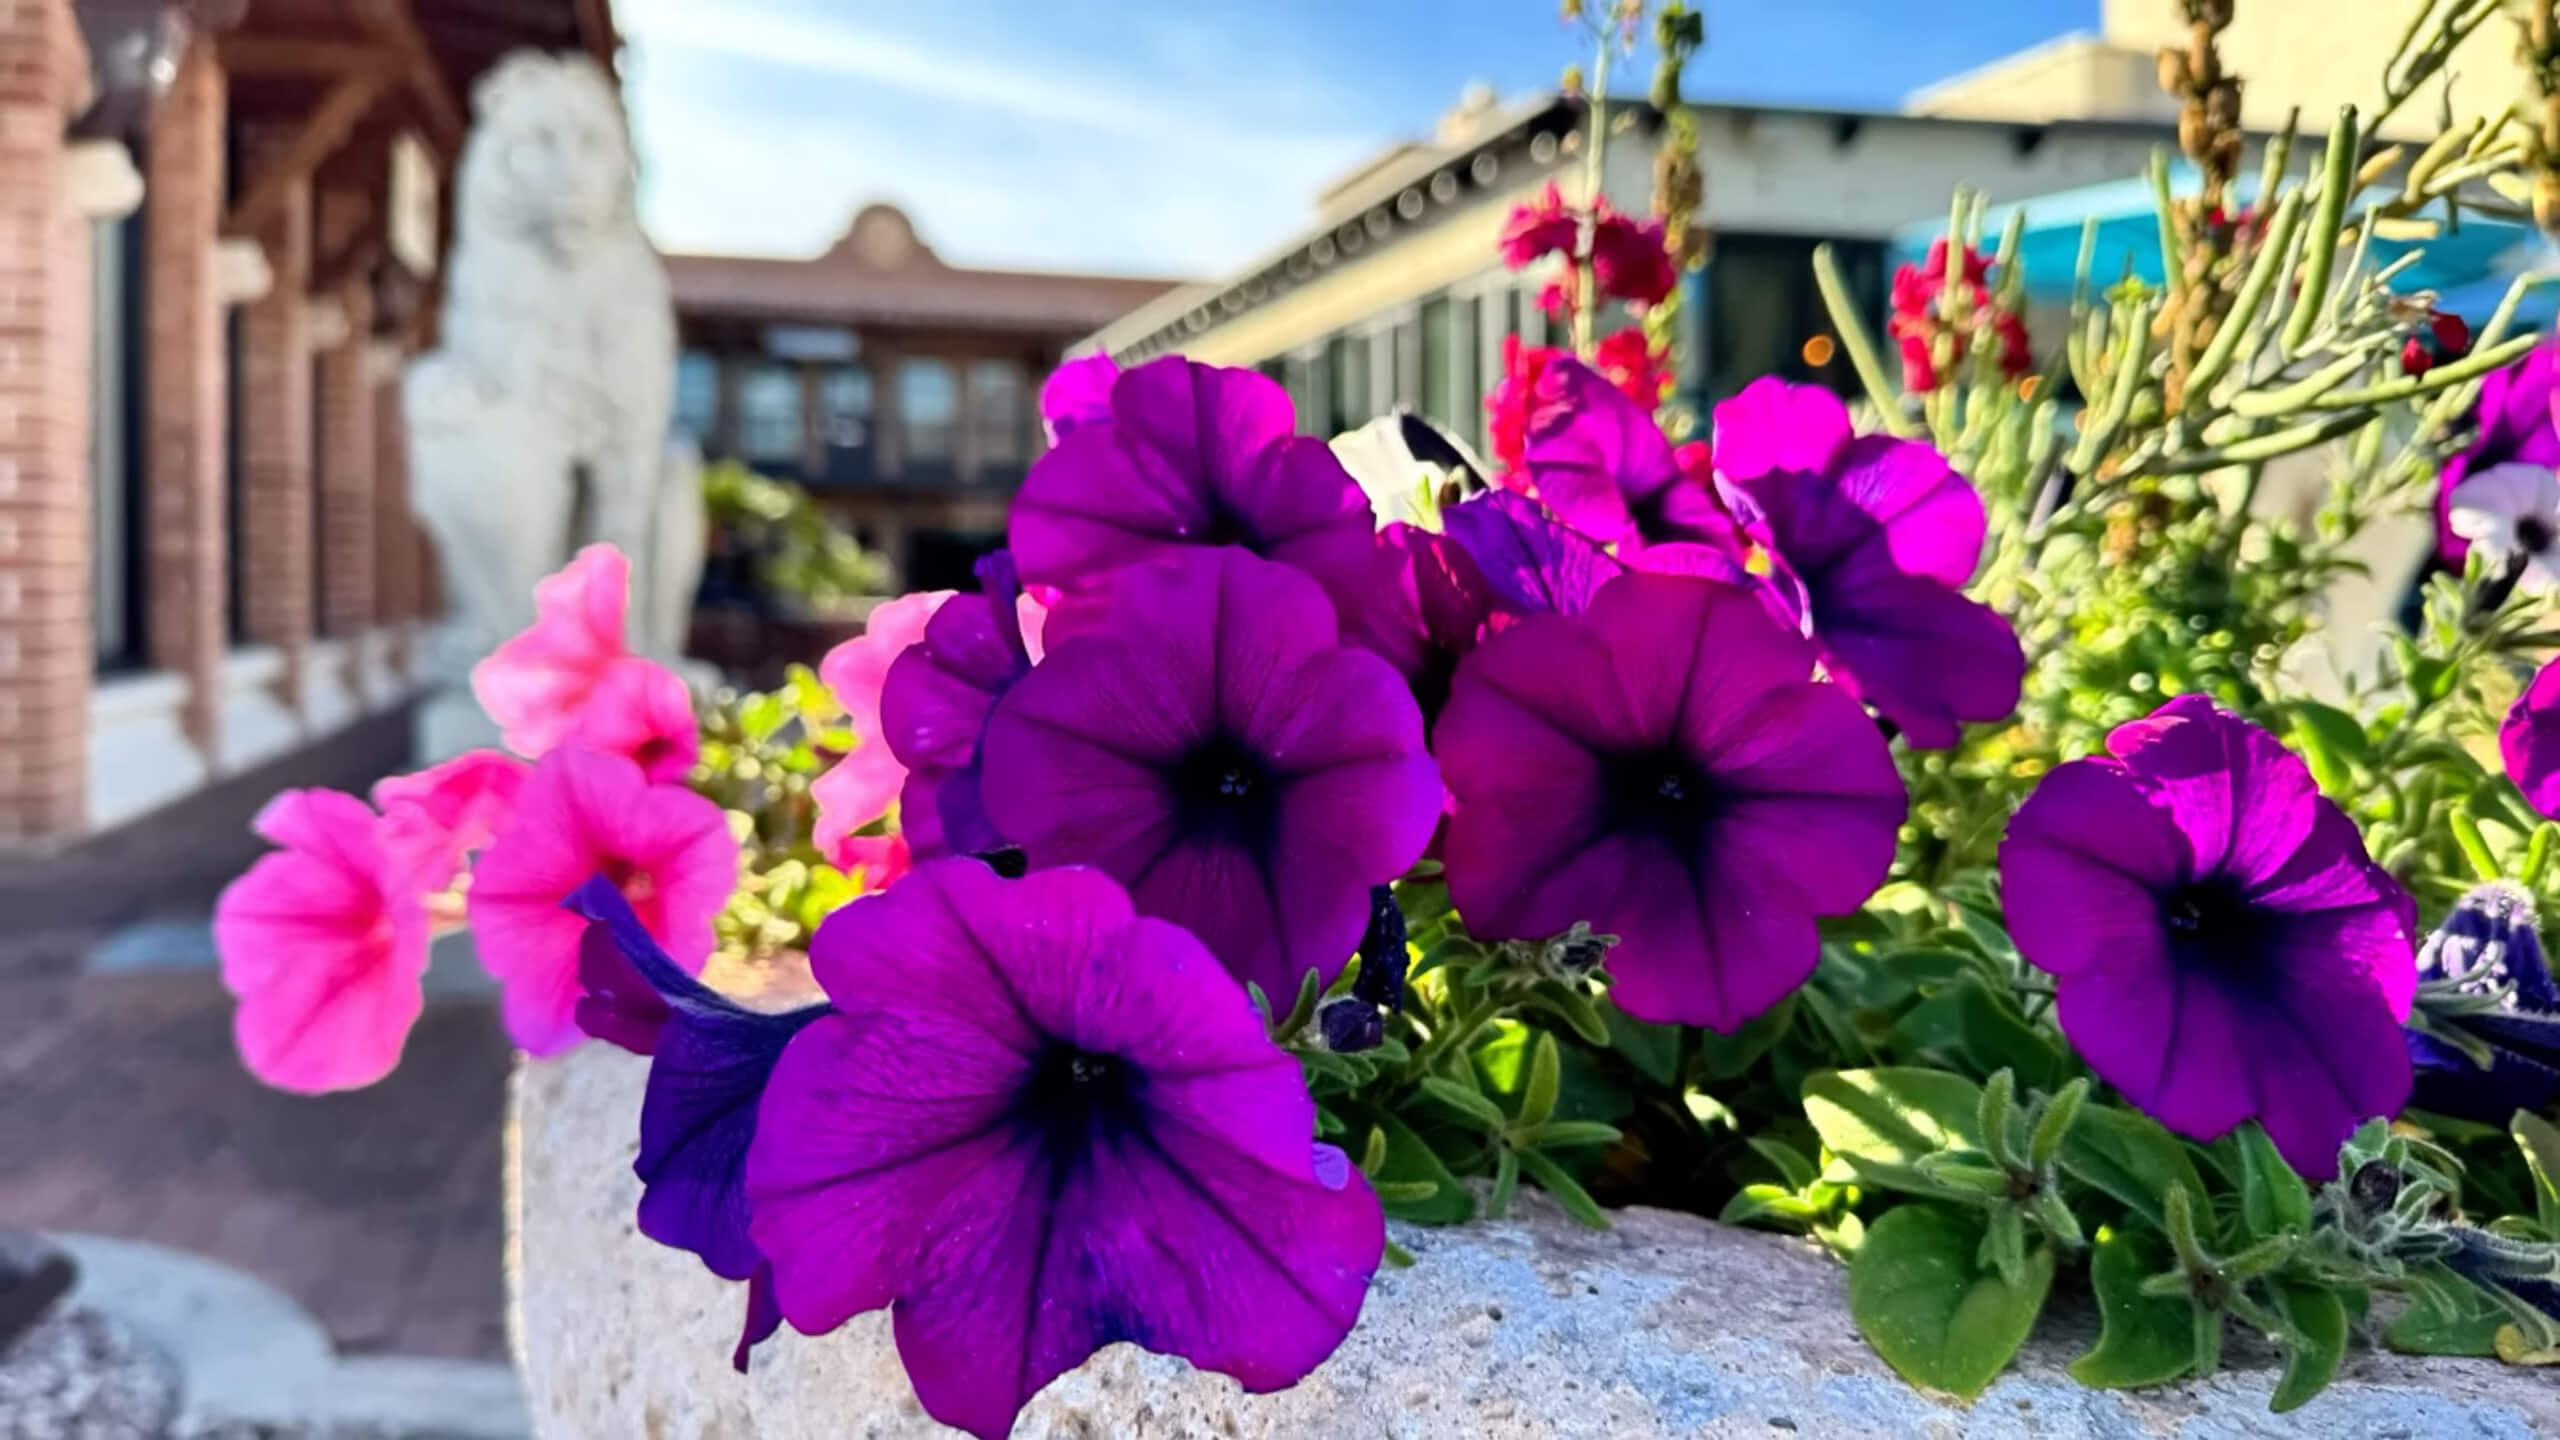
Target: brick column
[[275, 432], [347, 457], [188, 429], [395, 531], [47, 654]]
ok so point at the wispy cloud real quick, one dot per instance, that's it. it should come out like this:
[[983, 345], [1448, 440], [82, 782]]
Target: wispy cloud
[[765, 127]]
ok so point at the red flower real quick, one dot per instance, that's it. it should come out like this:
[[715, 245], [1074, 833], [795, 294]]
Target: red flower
[[1631, 363], [2441, 338], [1919, 370], [1557, 301], [1544, 227], [1631, 259], [1506, 408]]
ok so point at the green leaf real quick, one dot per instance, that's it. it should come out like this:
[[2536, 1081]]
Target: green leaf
[[2142, 1339], [2273, 1199], [1987, 933], [2448, 1317], [1538, 1102], [1791, 1165], [2540, 1141], [2131, 1158], [1474, 1106], [1723, 1057], [1931, 1309], [1572, 1005], [2331, 740], [1568, 1192], [1506, 1182], [2320, 1320], [1982, 1030], [760, 716], [1653, 1049], [1568, 1134], [1880, 1122], [1410, 1160], [1930, 968], [1769, 1202]]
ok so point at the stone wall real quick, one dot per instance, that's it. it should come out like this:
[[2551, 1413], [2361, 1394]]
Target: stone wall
[[1664, 1326]]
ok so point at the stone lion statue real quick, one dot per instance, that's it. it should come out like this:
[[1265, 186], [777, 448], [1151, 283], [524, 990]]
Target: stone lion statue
[[540, 424]]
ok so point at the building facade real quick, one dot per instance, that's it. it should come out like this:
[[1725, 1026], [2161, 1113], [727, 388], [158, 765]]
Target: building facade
[[2313, 54], [221, 223], [1396, 295], [899, 389]]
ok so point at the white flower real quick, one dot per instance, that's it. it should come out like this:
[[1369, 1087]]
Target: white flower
[[1403, 462], [2509, 512]]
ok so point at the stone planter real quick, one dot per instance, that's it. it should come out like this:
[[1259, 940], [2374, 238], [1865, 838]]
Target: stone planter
[[1665, 1325]]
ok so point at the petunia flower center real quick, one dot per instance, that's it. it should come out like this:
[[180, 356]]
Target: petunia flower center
[[2534, 534], [2213, 926], [1661, 793], [1075, 1096], [1223, 786]]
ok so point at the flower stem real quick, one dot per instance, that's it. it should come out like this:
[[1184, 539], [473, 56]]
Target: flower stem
[[1588, 296]]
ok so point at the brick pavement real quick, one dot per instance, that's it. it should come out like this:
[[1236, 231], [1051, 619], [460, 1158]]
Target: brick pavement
[[123, 1110]]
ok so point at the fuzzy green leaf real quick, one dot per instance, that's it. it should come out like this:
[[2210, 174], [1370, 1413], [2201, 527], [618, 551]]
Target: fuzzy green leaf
[[1880, 1122], [2320, 1321], [1506, 1182], [2131, 1158], [1940, 1318], [1538, 1102], [1409, 1159], [2142, 1339], [1566, 1190], [2273, 1199], [1653, 1049], [1567, 1134], [2448, 1317], [1466, 1102], [2540, 1141], [1792, 1167]]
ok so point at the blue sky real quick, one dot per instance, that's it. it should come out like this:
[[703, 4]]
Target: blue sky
[[1158, 136]]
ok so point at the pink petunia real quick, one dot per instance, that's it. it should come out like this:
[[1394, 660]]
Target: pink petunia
[[324, 942], [535, 684], [443, 814], [860, 788], [583, 814], [642, 711]]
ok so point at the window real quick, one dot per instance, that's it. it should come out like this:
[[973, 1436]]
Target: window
[[996, 413], [929, 406], [770, 432], [1315, 393], [1348, 358], [1449, 363], [844, 423], [697, 395], [1762, 311], [1405, 349], [116, 488]]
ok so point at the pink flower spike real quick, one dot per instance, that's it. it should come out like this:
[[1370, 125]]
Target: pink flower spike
[[860, 788], [881, 860], [535, 684], [324, 943], [442, 814], [584, 814], [642, 711]]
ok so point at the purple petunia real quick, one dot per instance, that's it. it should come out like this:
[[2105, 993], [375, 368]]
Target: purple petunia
[[1873, 540], [2529, 741], [2516, 428], [1193, 455], [1038, 1124], [2484, 979], [1598, 460], [1211, 745], [1532, 563], [1665, 767], [933, 711], [1077, 394], [2223, 949], [709, 1062]]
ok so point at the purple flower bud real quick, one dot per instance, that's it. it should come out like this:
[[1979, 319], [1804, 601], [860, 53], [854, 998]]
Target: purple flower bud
[[1382, 953], [1350, 1025]]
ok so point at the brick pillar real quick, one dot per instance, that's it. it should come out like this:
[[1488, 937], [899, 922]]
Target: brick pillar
[[186, 391], [395, 531], [275, 433], [46, 649], [347, 458]]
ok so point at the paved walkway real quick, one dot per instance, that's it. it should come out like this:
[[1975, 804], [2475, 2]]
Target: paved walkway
[[124, 1111]]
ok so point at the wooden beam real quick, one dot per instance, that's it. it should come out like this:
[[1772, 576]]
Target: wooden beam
[[323, 130], [395, 23], [276, 55], [595, 27]]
